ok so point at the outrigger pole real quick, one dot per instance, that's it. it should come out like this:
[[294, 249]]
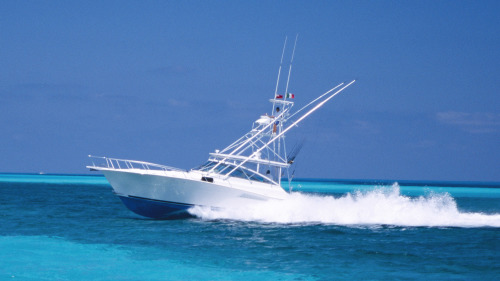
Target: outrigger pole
[[291, 126]]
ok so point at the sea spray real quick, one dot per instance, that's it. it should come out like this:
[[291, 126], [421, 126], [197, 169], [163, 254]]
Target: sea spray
[[381, 206]]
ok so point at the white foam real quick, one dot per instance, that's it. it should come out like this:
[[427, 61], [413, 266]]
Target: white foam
[[382, 206]]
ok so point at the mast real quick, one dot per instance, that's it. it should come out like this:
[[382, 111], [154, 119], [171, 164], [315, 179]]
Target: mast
[[280, 125]]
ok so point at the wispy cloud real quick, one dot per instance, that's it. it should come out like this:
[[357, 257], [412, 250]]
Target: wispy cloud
[[36, 92], [46, 86], [178, 103], [365, 127], [476, 122], [172, 70]]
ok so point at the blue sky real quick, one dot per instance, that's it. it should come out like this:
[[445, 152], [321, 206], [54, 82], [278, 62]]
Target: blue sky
[[170, 81]]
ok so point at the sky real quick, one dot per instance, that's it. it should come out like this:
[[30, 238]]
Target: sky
[[170, 81]]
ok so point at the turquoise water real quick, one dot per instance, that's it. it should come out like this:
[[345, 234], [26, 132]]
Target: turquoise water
[[59, 227]]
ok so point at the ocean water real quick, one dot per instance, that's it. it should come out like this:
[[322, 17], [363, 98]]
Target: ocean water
[[60, 227]]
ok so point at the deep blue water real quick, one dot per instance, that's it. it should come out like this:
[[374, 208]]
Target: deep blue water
[[75, 228]]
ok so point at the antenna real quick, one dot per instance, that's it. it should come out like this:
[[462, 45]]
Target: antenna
[[290, 69], [279, 71], [279, 74]]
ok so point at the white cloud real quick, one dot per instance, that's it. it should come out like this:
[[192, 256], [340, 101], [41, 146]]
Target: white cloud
[[476, 122]]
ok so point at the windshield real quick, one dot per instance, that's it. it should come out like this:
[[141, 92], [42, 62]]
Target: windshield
[[223, 169]]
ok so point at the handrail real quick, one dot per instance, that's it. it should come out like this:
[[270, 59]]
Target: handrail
[[114, 163]]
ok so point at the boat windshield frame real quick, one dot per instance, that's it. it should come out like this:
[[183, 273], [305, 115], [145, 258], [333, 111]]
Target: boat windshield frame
[[224, 168]]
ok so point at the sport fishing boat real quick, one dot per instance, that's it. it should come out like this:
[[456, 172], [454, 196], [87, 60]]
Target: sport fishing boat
[[249, 170]]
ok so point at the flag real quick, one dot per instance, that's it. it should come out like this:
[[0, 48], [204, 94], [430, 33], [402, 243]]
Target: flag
[[279, 96], [290, 96]]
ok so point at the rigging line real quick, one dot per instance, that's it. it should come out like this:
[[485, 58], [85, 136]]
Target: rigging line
[[291, 126], [295, 152], [290, 69]]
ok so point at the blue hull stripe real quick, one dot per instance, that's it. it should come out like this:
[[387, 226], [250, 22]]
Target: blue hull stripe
[[156, 209]]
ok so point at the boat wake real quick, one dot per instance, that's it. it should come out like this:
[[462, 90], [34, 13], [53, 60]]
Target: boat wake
[[382, 206]]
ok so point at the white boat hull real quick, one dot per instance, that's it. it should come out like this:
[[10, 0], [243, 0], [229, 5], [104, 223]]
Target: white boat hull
[[162, 195]]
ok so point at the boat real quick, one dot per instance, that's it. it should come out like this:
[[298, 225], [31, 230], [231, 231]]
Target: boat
[[249, 170]]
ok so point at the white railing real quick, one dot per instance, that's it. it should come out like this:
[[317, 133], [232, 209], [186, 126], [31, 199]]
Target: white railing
[[114, 163]]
